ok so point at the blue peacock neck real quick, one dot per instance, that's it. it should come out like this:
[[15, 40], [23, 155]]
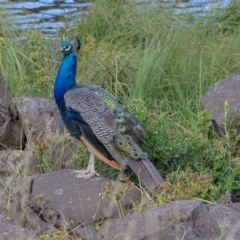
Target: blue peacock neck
[[66, 78]]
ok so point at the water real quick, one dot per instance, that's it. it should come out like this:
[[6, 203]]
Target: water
[[48, 15], [197, 7]]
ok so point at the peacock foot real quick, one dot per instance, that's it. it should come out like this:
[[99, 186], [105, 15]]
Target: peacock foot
[[89, 172], [85, 174]]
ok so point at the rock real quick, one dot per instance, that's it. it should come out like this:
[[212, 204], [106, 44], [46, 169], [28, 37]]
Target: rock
[[227, 197], [11, 230], [222, 92], [189, 220], [14, 194], [39, 117], [164, 222], [14, 200], [234, 206], [39, 226], [69, 202], [44, 130], [11, 134], [216, 221], [86, 233], [15, 161], [204, 223], [5, 95]]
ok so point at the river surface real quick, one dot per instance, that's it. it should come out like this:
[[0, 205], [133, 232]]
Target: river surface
[[50, 16]]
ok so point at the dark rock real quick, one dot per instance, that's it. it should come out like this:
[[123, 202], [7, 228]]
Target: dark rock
[[39, 117], [69, 202], [204, 223], [164, 222], [86, 233], [40, 227], [215, 221], [188, 220], [15, 161], [5, 95], [11, 134], [11, 230], [192, 235], [228, 221], [222, 92]]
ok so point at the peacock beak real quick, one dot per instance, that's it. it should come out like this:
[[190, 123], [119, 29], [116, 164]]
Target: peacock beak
[[60, 49]]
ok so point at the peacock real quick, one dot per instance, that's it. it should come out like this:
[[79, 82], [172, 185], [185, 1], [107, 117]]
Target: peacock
[[94, 116]]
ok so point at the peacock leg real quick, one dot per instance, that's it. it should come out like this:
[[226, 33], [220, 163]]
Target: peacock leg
[[90, 171]]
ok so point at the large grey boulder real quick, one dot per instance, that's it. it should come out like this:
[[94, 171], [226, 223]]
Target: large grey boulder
[[70, 202], [222, 100], [165, 222], [39, 117], [188, 220]]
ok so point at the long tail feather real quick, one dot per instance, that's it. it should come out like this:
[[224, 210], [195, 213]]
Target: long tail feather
[[146, 172], [144, 169]]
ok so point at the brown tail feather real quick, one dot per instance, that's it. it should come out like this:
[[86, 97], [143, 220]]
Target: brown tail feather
[[111, 163], [146, 172]]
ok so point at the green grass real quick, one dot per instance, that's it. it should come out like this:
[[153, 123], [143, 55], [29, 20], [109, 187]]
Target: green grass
[[157, 65], [28, 62]]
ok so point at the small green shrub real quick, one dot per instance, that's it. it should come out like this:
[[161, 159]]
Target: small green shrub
[[187, 184]]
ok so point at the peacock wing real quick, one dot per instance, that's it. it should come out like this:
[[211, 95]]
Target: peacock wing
[[97, 114], [128, 120]]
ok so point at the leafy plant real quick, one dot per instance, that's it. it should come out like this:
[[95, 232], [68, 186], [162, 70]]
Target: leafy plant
[[187, 184]]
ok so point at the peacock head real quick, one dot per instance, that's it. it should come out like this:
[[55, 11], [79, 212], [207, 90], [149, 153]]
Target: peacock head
[[66, 48]]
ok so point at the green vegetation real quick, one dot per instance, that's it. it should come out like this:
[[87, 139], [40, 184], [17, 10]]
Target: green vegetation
[[159, 66]]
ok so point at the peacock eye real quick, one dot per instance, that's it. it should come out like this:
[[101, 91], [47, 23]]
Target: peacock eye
[[67, 48]]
